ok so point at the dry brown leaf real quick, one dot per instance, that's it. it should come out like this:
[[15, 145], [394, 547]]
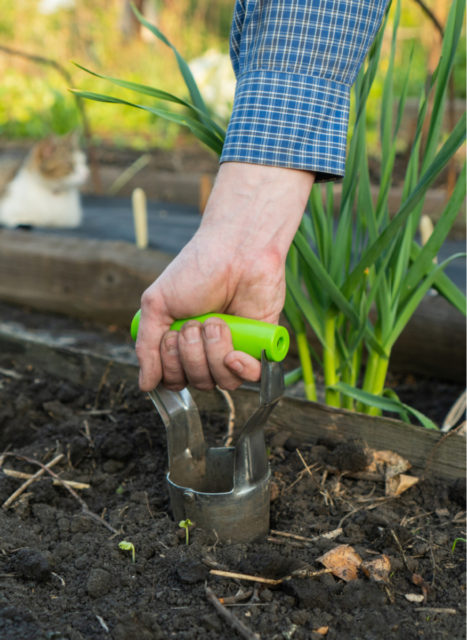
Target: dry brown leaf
[[396, 485], [392, 463], [377, 569], [343, 561], [321, 630]]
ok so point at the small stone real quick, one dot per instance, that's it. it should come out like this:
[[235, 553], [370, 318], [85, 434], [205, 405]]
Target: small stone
[[292, 443], [350, 456], [99, 582], [266, 595], [192, 571], [30, 564], [113, 466], [116, 446], [309, 594], [300, 617], [212, 622], [359, 593]]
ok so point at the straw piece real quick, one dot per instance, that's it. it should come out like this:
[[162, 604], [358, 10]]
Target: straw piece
[[30, 480]]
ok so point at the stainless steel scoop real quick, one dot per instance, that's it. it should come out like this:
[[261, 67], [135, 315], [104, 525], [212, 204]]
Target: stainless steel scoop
[[224, 490]]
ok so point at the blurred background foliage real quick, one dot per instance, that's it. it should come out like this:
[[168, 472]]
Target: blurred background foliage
[[39, 39]]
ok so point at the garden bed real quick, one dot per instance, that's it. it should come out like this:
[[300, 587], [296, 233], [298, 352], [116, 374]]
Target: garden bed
[[69, 389]]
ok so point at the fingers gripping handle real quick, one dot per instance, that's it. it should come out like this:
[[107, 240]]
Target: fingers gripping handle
[[249, 336]]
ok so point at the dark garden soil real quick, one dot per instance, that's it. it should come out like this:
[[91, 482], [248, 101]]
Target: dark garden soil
[[63, 576]]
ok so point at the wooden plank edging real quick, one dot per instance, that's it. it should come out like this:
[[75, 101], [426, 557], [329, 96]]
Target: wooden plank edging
[[429, 452], [103, 281]]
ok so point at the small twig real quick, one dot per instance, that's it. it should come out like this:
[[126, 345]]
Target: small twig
[[85, 509], [437, 610], [87, 433], [62, 580], [95, 412], [231, 419], [404, 559], [229, 617], [12, 473], [329, 535], [431, 16], [9, 501], [306, 470], [238, 597], [305, 464], [296, 481], [307, 573], [245, 576], [102, 623], [433, 561], [102, 382], [299, 573]]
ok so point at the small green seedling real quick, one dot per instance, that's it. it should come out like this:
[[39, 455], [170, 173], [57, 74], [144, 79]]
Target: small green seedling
[[455, 543], [186, 524], [124, 545]]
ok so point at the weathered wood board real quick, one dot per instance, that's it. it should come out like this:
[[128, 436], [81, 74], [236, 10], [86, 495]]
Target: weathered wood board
[[429, 452], [103, 281], [79, 277]]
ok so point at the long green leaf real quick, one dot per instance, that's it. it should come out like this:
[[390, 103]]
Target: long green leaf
[[305, 306], [451, 145], [387, 99], [332, 291], [443, 284], [160, 95], [202, 132], [451, 37], [425, 258], [182, 65], [405, 313], [383, 403]]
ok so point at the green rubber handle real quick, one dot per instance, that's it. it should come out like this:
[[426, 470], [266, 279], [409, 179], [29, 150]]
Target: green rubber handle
[[250, 336]]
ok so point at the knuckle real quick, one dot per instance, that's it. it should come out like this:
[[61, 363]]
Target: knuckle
[[149, 300]]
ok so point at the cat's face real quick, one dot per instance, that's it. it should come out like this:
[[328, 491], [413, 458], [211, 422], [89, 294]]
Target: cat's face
[[59, 161]]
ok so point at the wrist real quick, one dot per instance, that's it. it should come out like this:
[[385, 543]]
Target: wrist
[[256, 208]]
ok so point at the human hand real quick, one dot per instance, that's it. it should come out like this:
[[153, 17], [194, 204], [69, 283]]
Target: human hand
[[234, 264]]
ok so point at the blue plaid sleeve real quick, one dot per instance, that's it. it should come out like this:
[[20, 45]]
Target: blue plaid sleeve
[[295, 62]]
